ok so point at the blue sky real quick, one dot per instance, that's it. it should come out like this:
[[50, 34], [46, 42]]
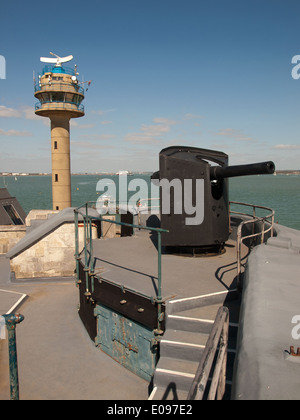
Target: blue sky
[[213, 74]]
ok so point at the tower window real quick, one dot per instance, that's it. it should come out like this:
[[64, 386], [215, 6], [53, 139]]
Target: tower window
[[57, 97], [55, 145], [56, 177]]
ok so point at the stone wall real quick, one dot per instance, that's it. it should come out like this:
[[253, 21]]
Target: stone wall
[[10, 236], [52, 256]]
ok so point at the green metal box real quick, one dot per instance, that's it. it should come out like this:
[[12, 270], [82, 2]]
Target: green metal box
[[126, 341]]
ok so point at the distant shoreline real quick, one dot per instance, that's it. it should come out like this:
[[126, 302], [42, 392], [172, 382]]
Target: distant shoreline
[[75, 173], [282, 172], [277, 172]]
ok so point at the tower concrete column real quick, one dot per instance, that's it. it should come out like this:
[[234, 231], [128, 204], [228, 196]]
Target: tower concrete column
[[61, 166]]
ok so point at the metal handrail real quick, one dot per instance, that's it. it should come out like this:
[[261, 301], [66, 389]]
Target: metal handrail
[[11, 320], [49, 68], [89, 258], [269, 218], [55, 86], [217, 340], [58, 105]]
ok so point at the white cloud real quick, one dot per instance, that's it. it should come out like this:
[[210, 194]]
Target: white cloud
[[99, 136], [14, 133], [149, 134], [29, 113], [155, 130], [6, 112], [287, 146], [192, 116], [140, 138], [90, 145], [75, 124], [166, 121], [24, 112], [237, 135], [102, 111]]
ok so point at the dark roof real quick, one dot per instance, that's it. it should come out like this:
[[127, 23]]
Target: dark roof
[[11, 212], [4, 193]]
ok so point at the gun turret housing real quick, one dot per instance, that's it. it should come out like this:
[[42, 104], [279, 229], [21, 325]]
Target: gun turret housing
[[194, 197]]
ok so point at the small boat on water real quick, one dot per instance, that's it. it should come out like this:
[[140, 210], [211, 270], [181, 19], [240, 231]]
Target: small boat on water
[[122, 173]]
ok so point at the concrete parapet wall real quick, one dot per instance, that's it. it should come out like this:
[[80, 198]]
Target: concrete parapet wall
[[10, 236], [52, 256], [38, 215], [264, 369], [48, 248]]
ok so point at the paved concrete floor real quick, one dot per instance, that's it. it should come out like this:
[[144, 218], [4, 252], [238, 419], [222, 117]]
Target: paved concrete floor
[[132, 262], [56, 358]]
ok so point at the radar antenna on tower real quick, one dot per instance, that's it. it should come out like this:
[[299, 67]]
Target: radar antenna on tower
[[58, 60]]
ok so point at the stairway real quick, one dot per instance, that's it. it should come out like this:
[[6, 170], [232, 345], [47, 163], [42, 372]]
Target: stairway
[[189, 323]]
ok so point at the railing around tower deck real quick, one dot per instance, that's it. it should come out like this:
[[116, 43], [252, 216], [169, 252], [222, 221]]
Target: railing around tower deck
[[89, 259], [59, 105], [55, 86], [50, 68]]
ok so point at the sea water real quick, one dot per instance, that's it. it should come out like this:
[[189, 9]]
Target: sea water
[[280, 192]]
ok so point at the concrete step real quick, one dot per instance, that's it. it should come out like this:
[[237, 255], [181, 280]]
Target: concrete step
[[175, 373], [174, 378], [169, 393], [210, 311], [172, 393], [196, 302], [180, 321], [181, 349], [184, 345]]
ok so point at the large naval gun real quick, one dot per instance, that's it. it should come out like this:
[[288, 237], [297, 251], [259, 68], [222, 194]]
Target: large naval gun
[[194, 197]]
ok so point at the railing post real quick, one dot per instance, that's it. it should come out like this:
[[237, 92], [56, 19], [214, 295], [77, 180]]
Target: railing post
[[218, 332], [238, 250], [89, 262], [11, 320], [263, 231], [76, 246], [86, 267], [159, 293]]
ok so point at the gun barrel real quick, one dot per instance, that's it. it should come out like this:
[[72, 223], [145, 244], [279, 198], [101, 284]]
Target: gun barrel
[[219, 172]]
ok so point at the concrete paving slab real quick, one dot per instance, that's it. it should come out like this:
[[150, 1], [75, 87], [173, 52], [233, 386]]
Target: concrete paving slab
[[57, 360], [132, 262]]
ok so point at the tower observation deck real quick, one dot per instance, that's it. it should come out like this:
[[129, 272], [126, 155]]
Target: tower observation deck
[[60, 99]]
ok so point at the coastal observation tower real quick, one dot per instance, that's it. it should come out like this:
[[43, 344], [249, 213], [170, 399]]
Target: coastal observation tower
[[60, 96]]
